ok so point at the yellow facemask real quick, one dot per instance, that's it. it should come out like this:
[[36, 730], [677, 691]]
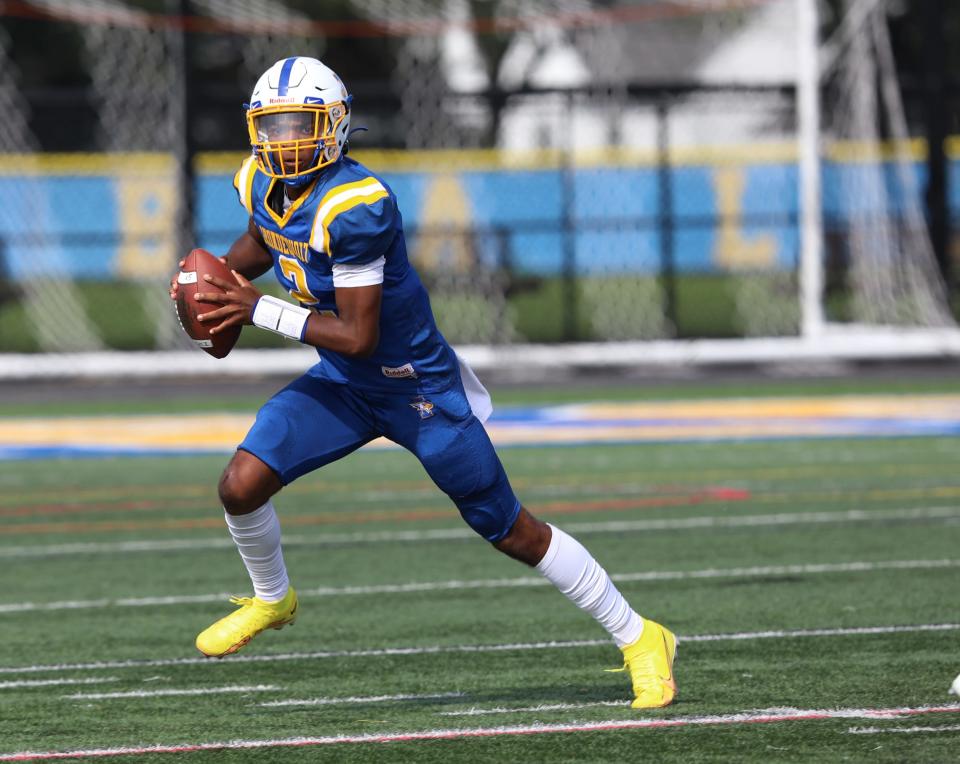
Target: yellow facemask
[[295, 140]]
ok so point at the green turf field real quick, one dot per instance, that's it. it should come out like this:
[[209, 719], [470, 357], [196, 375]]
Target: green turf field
[[705, 307], [814, 584]]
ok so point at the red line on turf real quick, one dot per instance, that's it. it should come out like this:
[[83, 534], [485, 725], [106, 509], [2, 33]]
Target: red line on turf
[[791, 715], [710, 494], [107, 506]]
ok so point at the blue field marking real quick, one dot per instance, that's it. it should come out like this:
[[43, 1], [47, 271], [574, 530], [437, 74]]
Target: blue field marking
[[28, 453]]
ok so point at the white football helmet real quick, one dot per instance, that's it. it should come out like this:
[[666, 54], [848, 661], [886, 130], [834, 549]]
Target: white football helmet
[[298, 119]]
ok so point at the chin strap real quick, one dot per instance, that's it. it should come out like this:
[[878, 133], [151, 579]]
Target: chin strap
[[346, 143], [300, 180]]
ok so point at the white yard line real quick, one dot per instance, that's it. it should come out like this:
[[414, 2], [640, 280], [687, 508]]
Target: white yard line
[[169, 692], [536, 709], [803, 633], [612, 725], [498, 583], [114, 547], [905, 730], [24, 683], [441, 534], [360, 699], [448, 649]]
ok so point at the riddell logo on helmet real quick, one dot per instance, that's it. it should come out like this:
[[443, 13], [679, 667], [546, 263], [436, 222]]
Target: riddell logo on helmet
[[285, 99]]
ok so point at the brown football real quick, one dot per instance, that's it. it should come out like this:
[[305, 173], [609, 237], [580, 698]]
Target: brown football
[[190, 281]]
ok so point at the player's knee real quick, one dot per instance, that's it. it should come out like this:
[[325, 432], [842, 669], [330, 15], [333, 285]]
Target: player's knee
[[492, 520], [464, 464], [467, 469], [234, 491], [246, 484], [491, 508], [528, 539]]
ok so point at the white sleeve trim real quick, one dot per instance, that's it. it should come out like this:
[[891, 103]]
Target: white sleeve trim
[[366, 274], [244, 181]]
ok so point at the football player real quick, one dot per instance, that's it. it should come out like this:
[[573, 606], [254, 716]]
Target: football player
[[331, 231]]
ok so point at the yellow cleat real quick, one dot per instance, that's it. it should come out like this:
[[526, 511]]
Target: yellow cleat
[[231, 633], [650, 663]]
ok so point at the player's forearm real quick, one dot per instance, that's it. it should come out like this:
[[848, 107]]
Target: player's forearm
[[351, 338], [354, 331], [355, 335], [248, 255]]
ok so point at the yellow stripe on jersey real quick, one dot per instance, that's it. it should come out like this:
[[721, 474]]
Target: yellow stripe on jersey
[[368, 198], [340, 199], [243, 182]]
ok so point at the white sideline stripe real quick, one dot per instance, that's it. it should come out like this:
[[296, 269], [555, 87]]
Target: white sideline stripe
[[360, 699], [55, 682], [497, 583], [442, 534], [747, 717], [837, 342], [170, 692], [536, 709], [848, 632], [880, 730], [53, 550], [449, 649]]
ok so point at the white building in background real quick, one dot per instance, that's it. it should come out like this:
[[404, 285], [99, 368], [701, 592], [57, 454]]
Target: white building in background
[[648, 43]]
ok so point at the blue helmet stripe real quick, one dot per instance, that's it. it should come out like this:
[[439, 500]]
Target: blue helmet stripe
[[285, 76]]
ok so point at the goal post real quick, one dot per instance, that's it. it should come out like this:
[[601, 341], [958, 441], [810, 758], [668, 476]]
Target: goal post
[[808, 147]]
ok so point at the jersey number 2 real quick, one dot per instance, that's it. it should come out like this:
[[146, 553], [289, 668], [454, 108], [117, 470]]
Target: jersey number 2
[[293, 270]]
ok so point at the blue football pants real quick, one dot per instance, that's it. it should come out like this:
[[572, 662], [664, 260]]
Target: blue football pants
[[314, 421]]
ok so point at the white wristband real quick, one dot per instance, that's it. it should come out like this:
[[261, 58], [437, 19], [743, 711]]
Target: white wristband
[[282, 317]]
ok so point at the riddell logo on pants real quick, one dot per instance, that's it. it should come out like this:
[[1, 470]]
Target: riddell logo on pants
[[399, 372]]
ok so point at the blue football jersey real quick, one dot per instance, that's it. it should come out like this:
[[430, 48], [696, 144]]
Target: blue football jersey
[[349, 216]]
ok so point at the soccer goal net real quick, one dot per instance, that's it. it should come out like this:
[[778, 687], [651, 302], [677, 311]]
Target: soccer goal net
[[582, 183]]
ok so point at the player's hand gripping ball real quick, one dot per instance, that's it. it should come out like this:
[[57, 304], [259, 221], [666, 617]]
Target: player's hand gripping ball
[[189, 281]]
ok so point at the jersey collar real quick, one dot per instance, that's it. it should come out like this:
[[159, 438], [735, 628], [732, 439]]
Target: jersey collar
[[282, 220]]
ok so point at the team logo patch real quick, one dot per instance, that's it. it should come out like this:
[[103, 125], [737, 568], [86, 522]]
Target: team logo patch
[[399, 372], [423, 406]]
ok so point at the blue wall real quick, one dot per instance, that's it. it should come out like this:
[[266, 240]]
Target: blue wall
[[724, 216]]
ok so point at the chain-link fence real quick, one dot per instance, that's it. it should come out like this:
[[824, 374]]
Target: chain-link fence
[[568, 171]]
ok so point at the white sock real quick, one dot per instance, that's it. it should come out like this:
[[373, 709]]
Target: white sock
[[257, 536], [569, 567]]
